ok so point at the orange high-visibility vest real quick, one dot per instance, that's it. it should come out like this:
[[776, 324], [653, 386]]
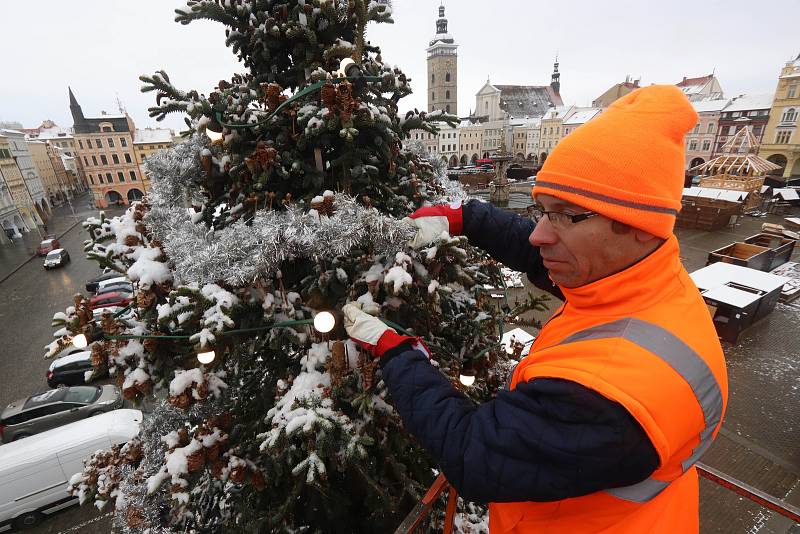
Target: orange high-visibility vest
[[643, 338]]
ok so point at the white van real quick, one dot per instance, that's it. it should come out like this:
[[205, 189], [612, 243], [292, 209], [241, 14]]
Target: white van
[[34, 471]]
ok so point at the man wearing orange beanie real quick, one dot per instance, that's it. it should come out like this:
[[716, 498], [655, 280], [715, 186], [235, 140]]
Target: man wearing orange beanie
[[625, 387]]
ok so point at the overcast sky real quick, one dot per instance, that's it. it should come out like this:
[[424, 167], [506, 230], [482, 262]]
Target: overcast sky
[[100, 47]]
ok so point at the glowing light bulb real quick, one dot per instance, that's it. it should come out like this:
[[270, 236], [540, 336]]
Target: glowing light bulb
[[324, 322], [206, 357], [80, 341], [467, 380], [214, 136]]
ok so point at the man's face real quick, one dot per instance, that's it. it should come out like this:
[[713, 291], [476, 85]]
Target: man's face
[[579, 253]]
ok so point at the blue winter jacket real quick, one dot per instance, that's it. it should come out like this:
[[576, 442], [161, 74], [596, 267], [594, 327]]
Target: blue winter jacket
[[548, 439]]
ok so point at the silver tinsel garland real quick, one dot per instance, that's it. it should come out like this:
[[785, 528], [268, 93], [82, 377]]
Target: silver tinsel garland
[[246, 250]]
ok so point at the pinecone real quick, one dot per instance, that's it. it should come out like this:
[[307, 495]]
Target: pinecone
[[134, 453], [368, 366], [182, 401], [257, 480], [130, 393], [132, 241], [145, 299], [221, 421], [202, 391], [134, 517], [183, 437], [196, 460], [212, 452], [216, 468], [337, 365], [238, 474]]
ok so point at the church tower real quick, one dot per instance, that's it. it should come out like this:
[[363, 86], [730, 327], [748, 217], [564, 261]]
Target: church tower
[[555, 79], [443, 69]]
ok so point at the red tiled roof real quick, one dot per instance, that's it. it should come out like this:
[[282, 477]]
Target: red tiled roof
[[694, 81]]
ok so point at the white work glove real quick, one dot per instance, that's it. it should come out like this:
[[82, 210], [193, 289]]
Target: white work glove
[[431, 221], [371, 333]]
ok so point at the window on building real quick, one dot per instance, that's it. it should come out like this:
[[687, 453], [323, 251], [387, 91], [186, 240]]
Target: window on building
[[791, 91], [693, 144], [100, 179], [121, 176], [447, 76], [80, 144], [85, 161], [99, 143], [710, 128], [103, 159], [447, 108], [433, 77], [790, 115], [447, 95], [110, 142], [133, 176], [91, 179], [731, 130], [94, 160], [115, 159], [433, 95], [706, 144], [736, 114], [122, 142], [109, 178], [757, 131], [696, 128], [88, 143]]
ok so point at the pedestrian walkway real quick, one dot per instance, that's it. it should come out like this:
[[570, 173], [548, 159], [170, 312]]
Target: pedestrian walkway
[[61, 220]]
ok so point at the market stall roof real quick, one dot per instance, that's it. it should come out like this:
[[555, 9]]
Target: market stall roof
[[738, 158]]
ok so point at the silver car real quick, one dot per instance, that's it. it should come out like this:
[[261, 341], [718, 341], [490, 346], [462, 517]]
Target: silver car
[[56, 407]]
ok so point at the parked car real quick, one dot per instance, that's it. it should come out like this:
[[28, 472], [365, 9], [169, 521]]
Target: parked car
[[91, 285], [49, 244], [110, 282], [115, 298], [56, 258], [56, 407], [123, 286], [34, 473], [70, 370], [98, 312]]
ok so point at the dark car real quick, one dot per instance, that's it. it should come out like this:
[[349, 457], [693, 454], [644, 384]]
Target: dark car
[[56, 407], [124, 287], [115, 298], [70, 370], [51, 243], [56, 258], [91, 285]]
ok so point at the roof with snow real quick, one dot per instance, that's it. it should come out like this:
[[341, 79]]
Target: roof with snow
[[152, 135], [750, 102], [730, 195], [581, 116], [527, 100], [786, 193], [694, 85], [710, 106], [558, 112]]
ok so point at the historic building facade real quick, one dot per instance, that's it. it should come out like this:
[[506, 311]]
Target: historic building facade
[[700, 140], [781, 143], [105, 147], [27, 216]]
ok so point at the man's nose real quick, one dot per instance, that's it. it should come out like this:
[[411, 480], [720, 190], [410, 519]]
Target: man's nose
[[543, 234]]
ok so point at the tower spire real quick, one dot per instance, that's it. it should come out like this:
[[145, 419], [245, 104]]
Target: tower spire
[[74, 107], [555, 79]]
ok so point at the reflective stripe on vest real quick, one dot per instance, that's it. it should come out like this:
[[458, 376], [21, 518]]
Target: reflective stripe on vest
[[688, 364]]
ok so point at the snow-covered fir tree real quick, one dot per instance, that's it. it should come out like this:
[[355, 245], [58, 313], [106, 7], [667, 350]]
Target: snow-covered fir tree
[[295, 209]]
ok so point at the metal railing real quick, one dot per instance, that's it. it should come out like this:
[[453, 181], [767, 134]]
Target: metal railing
[[418, 514]]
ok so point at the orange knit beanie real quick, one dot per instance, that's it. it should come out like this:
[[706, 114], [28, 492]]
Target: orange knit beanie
[[628, 163]]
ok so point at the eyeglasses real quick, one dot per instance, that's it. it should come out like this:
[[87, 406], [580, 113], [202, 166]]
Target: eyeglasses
[[560, 219]]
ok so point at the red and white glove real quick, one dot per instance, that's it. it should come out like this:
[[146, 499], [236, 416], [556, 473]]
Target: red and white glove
[[372, 334], [431, 221]]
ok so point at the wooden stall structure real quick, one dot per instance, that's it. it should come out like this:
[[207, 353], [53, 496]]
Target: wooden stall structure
[[709, 209], [762, 252], [736, 296], [738, 168]]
